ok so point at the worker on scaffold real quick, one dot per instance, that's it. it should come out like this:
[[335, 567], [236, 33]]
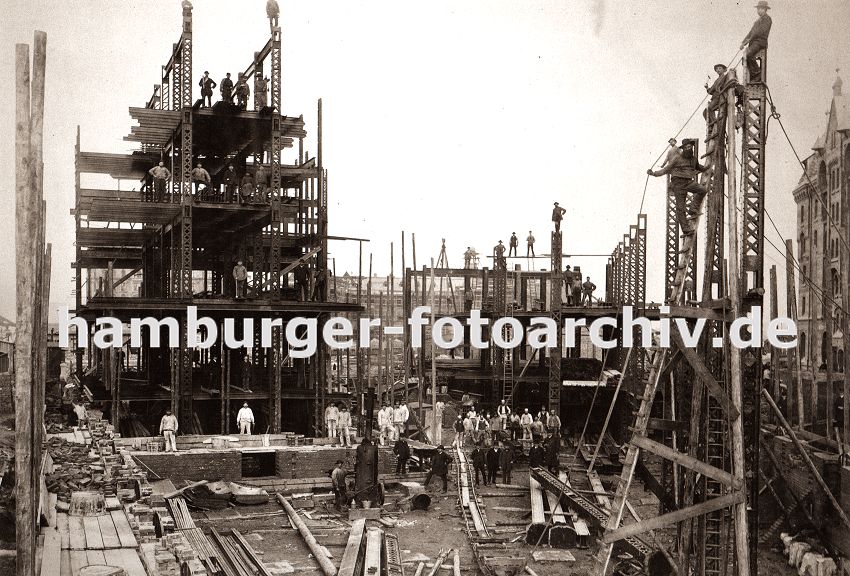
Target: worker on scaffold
[[273, 12], [756, 40], [529, 242], [682, 171], [207, 84], [557, 216], [512, 244], [226, 89]]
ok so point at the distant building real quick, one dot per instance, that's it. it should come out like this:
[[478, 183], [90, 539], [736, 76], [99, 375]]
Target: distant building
[[7, 329], [818, 195]]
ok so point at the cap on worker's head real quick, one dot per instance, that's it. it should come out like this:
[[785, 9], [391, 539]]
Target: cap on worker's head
[[513, 232], [206, 71], [687, 143], [500, 241], [672, 141], [228, 74], [245, 404], [722, 67], [763, 4], [168, 410], [338, 462], [556, 203], [441, 447], [239, 262], [199, 164]]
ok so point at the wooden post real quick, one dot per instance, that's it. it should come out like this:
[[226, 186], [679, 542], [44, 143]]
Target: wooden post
[[742, 549], [24, 264], [774, 351], [405, 294], [799, 445], [433, 356], [791, 288], [391, 347], [318, 553]]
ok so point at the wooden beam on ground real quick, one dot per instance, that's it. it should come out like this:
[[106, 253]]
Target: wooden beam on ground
[[318, 552], [348, 563], [537, 529], [599, 490], [438, 562], [674, 517], [681, 459], [374, 545], [456, 564], [799, 445], [703, 373]]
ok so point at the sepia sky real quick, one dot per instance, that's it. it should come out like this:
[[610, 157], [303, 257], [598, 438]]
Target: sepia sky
[[461, 120]]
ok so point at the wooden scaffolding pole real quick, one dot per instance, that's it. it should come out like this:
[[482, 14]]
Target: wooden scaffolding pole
[[791, 288], [742, 549]]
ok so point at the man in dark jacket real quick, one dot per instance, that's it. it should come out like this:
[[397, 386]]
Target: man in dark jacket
[[479, 464], [402, 452], [536, 455], [440, 467], [226, 88], [338, 481], [756, 40], [506, 462], [553, 448], [492, 458], [207, 84]]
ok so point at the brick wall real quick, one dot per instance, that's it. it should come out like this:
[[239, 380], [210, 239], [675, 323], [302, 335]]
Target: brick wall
[[301, 462]]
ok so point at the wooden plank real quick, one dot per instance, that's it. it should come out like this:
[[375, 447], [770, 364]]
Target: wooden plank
[[76, 533], [78, 561], [62, 525], [553, 556], [674, 517], [65, 561], [538, 515], [95, 557], [51, 509], [94, 541], [374, 538], [555, 508], [122, 528], [684, 460], [599, 490], [130, 562], [51, 558], [108, 532], [352, 549]]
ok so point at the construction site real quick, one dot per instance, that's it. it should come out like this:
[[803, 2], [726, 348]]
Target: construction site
[[508, 416]]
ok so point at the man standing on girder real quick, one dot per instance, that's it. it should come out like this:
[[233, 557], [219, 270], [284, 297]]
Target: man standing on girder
[[512, 244], [240, 274], [242, 92], [557, 216], [529, 242], [568, 284], [226, 89], [682, 170], [207, 84], [231, 183], [273, 12], [587, 292], [200, 177], [160, 176], [756, 40], [262, 86]]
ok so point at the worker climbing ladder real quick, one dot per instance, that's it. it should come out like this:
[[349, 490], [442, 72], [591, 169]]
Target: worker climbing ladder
[[723, 407]]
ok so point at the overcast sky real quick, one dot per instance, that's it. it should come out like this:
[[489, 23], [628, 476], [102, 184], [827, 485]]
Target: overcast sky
[[461, 120]]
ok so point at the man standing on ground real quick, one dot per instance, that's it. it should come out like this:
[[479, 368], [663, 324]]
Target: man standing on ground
[[553, 448], [160, 175], [440, 467], [439, 407], [479, 464], [557, 216], [344, 426], [402, 452], [385, 423], [338, 481], [512, 244], [536, 455], [587, 292], [245, 419], [553, 423], [207, 84], [525, 421], [331, 417], [504, 411], [492, 458], [506, 462], [240, 274], [529, 250], [756, 40], [398, 421], [459, 431], [538, 429], [168, 428]]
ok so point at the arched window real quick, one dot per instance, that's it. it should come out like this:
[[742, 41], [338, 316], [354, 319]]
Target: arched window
[[824, 344], [804, 311], [802, 214], [802, 344]]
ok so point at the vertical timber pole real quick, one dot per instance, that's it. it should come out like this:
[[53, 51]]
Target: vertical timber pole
[[555, 287], [25, 249], [791, 289], [742, 549]]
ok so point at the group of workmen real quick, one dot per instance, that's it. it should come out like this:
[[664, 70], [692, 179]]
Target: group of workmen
[[228, 91], [251, 188], [338, 422], [392, 421], [474, 428], [681, 163], [168, 425]]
